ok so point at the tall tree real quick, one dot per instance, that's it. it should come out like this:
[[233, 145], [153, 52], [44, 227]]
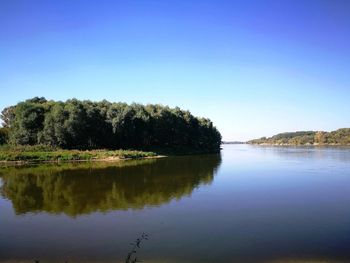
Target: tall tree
[[87, 125]]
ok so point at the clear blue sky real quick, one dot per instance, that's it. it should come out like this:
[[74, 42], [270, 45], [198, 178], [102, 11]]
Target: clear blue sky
[[255, 68]]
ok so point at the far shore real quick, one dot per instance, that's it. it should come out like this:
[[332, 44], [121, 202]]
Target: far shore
[[301, 145]]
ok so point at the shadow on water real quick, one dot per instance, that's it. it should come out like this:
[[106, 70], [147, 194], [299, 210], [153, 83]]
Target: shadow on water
[[336, 153], [76, 189]]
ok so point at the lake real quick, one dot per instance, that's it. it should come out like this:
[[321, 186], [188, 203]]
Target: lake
[[248, 204]]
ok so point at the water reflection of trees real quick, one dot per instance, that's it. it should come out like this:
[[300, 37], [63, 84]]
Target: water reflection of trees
[[337, 153], [80, 189]]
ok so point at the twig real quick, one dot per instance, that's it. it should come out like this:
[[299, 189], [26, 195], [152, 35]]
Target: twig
[[131, 257]]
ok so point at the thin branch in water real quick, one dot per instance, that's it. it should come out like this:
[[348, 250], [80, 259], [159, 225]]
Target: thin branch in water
[[131, 257]]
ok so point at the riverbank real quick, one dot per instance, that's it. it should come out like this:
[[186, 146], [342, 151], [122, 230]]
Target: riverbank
[[340, 137], [39, 154], [306, 144]]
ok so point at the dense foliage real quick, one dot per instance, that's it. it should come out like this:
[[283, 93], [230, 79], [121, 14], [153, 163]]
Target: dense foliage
[[78, 124], [338, 137], [4, 135]]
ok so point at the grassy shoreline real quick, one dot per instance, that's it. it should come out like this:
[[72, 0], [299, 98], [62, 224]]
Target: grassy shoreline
[[40, 154]]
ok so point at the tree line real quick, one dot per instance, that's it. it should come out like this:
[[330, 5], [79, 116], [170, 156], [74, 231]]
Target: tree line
[[76, 124], [338, 137]]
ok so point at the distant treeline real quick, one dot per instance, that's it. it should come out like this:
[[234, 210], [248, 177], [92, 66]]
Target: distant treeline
[[338, 137], [233, 142], [76, 124]]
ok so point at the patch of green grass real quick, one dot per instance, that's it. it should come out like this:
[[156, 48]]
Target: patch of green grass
[[37, 154]]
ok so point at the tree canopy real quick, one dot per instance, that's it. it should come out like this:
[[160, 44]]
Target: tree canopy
[[76, 124], [338, 137], [3, 135]]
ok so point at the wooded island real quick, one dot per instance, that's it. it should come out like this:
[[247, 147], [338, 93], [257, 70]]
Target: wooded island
[[87, 125]]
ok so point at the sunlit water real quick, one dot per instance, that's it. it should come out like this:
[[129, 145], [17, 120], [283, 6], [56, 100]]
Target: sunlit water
[[251, 204]]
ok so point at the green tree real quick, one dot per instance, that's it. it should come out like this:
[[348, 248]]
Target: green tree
[[4, 134], [7, 116], [27, 123], [88, 125]]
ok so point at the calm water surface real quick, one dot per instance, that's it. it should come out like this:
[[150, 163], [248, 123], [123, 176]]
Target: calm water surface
[[249, 204]]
